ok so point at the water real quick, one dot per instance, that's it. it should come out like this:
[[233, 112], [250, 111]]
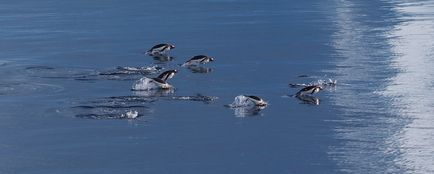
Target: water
[[67, 68]]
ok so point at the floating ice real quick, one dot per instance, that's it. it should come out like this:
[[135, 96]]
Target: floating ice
[[145, 84]]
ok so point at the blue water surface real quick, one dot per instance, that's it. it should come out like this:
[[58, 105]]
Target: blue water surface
[[62, 97]]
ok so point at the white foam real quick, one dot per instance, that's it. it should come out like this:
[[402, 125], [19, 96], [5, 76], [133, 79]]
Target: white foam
[[154, 68], [145, 84], [153, 93], [324, 83], [130, 114], [241, 101]]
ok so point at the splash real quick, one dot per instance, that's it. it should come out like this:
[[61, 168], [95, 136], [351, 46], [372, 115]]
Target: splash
[[198, 97], [133, 70], [145, 84], [247, 111], [153, 93], [242, 101], [130, 114], [324, 83]]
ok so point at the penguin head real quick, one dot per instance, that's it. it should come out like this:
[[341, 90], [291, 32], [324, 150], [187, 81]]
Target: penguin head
[[211, 59], [172, 46], [257, 100]]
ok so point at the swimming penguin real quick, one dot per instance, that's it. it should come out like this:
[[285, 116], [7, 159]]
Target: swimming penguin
[[199, 59], [256, 100], [166, 75], [161, 83], [309, 90], [160, 49]]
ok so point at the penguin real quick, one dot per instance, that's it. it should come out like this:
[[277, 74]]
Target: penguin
[[256, 100], [160, 49], [309, 90], [166, 75], [199, 59], [161, 83]]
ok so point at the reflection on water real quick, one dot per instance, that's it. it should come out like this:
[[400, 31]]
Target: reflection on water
[[308, 99], [163, 58], [386, 125], [199, 69], [248, 111]]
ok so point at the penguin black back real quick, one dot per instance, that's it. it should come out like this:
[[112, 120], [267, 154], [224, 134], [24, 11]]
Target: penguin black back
[[166, 75]]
